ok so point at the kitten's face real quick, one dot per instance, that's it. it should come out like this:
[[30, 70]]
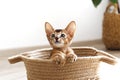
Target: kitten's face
[[60, 37]]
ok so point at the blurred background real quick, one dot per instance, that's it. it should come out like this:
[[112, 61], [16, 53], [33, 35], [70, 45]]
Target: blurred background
[[22, 21]]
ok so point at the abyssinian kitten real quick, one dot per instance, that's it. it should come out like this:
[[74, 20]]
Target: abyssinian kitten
[[60, 40]]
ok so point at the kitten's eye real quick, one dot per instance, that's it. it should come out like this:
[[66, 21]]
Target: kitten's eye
[[53, 35], [62, 35]]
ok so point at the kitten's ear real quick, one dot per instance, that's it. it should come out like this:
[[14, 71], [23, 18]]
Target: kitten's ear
[[48, 28], [71, 28]]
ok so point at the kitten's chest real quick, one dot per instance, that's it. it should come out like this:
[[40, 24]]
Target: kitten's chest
[[63, 50]]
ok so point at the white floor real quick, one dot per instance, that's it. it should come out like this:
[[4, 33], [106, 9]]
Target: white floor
[[110, 72]]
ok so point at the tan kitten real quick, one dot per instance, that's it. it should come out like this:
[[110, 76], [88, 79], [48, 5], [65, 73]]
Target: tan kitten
[[60, 40]]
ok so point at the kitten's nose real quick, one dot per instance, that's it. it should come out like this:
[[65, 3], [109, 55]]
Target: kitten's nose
[[56, 38]]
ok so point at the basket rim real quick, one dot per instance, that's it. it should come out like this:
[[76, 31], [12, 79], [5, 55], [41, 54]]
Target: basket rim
[[74, 48], [94, 54], [50, 60], [111, 14]]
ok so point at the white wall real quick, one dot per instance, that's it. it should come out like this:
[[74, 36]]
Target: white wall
[[22, 21]]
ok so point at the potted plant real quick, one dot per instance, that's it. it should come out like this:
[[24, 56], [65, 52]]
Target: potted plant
[[111, 25], [97, 2]]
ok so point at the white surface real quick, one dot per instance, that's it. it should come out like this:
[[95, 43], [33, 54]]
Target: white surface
[[22, 21], [110, 72]]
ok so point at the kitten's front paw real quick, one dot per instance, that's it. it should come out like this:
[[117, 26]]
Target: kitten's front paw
[[71, 57], [58, 60]]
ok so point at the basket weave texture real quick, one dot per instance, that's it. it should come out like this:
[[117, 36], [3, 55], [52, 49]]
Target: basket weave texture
[[111, 28], [40, 67]]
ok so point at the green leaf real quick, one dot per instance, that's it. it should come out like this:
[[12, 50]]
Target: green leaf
[[114, 1], [96, 2]]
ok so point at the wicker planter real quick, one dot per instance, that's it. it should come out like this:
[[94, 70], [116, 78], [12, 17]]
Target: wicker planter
[[111, 29], [40, 67]]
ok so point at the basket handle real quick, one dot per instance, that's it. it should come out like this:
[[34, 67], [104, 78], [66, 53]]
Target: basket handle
[[108, 58], [15, 59], [115, 5]]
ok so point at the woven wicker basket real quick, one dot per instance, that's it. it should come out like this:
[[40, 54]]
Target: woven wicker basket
[[111, 28], [40, 67]]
